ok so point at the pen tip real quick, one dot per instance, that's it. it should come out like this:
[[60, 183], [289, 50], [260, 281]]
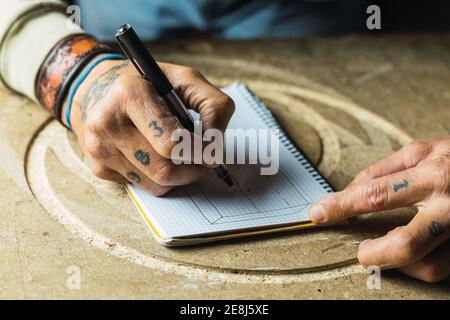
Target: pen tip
[[228, 181], [223, 174]]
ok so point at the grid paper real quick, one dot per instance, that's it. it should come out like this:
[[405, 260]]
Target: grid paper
[[210, 206]]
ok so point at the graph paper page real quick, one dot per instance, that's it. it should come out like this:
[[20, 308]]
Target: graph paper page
[[256, 201]]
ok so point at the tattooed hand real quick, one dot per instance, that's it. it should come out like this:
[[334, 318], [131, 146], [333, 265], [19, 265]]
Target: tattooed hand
[[417, 175], [125, 128]]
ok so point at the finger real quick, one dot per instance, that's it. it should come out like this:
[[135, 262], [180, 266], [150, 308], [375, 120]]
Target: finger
[[398, 190], [408, 244], [433, 267], [150, 114], [137, 177], [108, 174], [160, 170], [214, 106], [407, 157], [96, 156]]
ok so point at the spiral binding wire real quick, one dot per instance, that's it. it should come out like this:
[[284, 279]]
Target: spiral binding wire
[[266, 116]]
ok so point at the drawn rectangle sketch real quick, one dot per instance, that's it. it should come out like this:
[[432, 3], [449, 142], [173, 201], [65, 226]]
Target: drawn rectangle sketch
[[248, 199]]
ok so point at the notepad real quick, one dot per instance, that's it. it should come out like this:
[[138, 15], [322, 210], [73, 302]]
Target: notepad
[[209, 210]]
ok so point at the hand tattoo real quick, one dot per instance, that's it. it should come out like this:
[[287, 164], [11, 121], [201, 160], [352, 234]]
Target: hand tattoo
[[142, 157], [133, 176], [100, 88], [436, 228], [158, 130], [398, 186]]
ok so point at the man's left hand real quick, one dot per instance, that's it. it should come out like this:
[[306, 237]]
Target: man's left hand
[[417, 175]]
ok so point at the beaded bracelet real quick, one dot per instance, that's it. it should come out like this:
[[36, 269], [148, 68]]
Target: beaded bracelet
[[61, 66], [80, 79]]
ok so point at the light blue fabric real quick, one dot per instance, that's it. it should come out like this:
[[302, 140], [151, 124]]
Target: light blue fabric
[[238, 19]]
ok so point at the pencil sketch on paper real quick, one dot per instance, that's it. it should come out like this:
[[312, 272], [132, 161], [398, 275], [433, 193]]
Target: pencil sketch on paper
[[253, 197]]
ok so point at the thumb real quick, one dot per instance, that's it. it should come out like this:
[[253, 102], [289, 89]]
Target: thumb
[[214, 106]]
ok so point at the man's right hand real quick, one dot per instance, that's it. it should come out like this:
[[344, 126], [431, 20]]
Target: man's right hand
[[124, 127]]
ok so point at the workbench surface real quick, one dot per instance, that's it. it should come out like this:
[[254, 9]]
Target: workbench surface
[[346, 102]]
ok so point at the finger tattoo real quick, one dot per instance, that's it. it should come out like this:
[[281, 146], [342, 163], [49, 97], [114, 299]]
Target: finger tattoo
[[158, 130], [133, 176], [436, 228], [398, 186], [142, 157]]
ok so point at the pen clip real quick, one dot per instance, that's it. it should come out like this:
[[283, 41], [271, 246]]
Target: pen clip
[[139, 68]]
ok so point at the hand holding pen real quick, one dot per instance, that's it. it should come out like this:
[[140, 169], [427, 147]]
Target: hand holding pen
[[146, 65], [124, 128]]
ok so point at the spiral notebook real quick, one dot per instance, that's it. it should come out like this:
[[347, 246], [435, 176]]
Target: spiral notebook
[[209, 210]]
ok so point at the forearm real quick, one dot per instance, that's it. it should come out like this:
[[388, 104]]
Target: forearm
[[28, 32]]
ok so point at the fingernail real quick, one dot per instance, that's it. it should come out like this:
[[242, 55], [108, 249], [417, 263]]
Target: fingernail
[[317, 213]]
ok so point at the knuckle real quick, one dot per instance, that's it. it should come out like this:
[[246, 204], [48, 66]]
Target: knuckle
[[95, 148], [165, 175], [440, 171], [91, 125], [364, 175], [123, 85], [335, 201], [129, 86], [158, 191], [432, 273], [101, 171], [406, 247], [417, 147], [101, 122], [420, 144], [414, 152], [443, 145], [226, 105], [375, 195], [184, 76], [164, 147], [190, 71]]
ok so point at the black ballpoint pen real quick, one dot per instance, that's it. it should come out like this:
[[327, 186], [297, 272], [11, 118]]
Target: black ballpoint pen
[[146, 65]]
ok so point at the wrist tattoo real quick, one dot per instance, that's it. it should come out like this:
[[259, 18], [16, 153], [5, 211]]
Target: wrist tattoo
[[398, 186], [133, 176], [436, 228], [142, 157], [157, 129], [99, 89]]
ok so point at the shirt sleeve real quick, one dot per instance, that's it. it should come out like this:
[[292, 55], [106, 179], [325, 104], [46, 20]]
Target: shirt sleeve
[[29, 29]]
